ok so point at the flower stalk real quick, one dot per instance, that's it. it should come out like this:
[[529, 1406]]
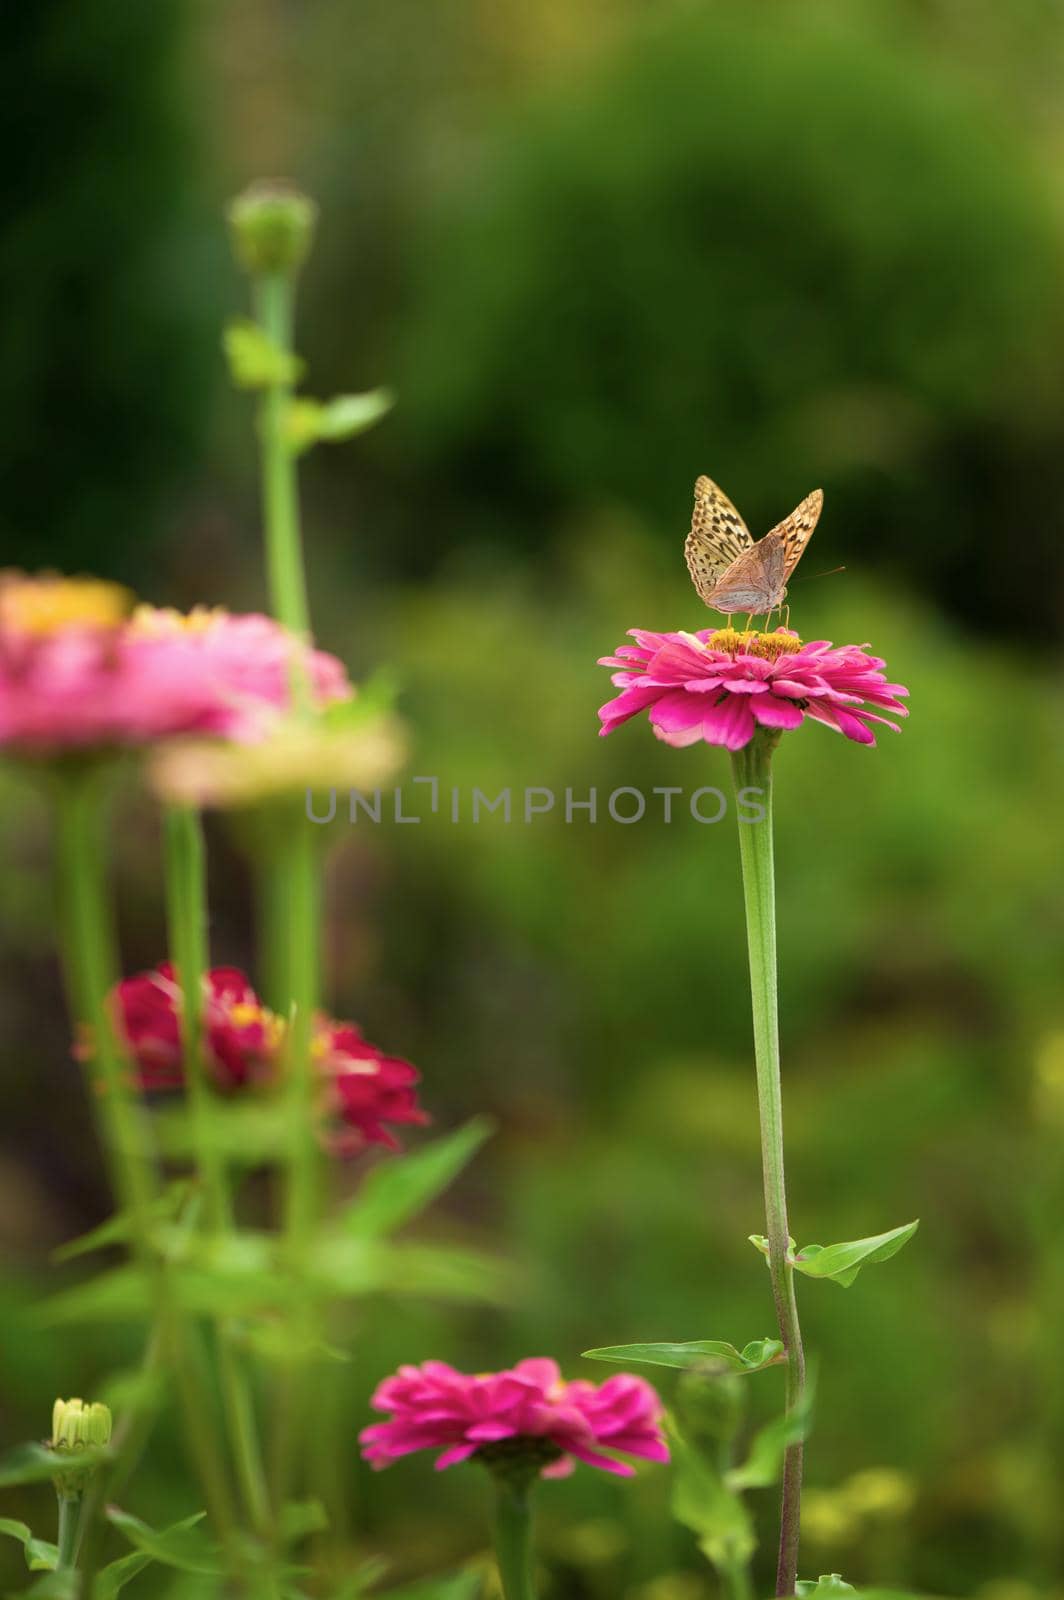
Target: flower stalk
[[752, 769], [513, 1537]]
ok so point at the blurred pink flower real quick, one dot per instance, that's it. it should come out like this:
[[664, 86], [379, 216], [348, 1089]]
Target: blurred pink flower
[[721, 686], [241, 1038], [76, 672], [363, 1089], [436, 1408]]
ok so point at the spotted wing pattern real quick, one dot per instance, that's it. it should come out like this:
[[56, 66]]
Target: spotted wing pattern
[[718, 537], [797, 530]]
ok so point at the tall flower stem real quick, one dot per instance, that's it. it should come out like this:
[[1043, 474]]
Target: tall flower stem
[[187, 916], [513, 1539], [752, 770], [294, 888], [69, 1528], [90, 966]]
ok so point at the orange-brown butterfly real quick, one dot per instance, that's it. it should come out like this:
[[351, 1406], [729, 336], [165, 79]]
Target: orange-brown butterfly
[[729, 569]]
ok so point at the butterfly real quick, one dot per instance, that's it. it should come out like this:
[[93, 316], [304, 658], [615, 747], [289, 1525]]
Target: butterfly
[[729, 569]]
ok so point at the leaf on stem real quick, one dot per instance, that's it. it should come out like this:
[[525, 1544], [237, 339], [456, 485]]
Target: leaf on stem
[[37, 1463], [255, 362], [753, 1357], [770, 1444], [396, 1190], [118, 1229], [829, 1583], [705, 1502], [312, 422], [181, 1545], [41, 1556], [842, 1262]]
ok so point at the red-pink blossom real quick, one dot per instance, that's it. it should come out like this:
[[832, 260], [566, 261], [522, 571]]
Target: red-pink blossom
[[721, 686], [241, 1038], [436, 1408], [77, 672], [363, 1088]]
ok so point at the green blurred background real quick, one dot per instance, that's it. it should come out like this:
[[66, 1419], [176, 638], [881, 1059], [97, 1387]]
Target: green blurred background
[[599, 246]]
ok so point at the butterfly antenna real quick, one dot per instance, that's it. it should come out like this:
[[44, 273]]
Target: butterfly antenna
[[806, 576]]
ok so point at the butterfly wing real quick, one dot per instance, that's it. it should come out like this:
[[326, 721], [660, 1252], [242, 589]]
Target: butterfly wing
[[796, 530], [755, 580], [717, 538]]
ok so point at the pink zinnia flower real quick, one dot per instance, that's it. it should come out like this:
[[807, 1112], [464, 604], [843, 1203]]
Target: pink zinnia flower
[[76, 672], [721, 686], [528, 1414], [241, 1038], [363, 1088]]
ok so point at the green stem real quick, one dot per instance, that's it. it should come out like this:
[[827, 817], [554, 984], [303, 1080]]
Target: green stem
[[513, 1540], [752, 770], [187, 914], [89, 962], [274, 301], [90, 968], [69, 1524]]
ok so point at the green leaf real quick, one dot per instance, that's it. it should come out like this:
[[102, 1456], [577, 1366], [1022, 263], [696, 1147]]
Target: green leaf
[[301, 1517], [117, 1229], [37, 1463], [753, 1357], [255, 362], [118, 1573], [331, 421], [53, 1586], [829, 1583], [764, 1463], [179, 1546], [398, 1188], [703, 1501], [842, 1262], [40, 1555]]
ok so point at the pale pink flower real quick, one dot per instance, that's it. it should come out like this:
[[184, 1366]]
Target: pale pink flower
[[527, 1411], [721, 686], [77, 673]]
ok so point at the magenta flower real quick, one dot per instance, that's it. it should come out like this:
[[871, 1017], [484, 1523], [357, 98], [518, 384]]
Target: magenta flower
[[241, 1039], [722, 686], [78, 673], [363, 1088], [528, 1413]]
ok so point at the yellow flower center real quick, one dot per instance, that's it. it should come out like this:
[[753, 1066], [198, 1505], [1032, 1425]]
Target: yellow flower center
[[160, 620], [45, 605], [752, 643]]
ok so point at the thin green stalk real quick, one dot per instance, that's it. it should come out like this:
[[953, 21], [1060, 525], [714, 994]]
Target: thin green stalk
[[513, 1539], [752, 770], [274, 300], [186, 892], [90, 968], [69, 1525]]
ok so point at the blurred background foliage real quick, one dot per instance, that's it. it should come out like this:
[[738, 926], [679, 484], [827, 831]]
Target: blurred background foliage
[[598, 247]]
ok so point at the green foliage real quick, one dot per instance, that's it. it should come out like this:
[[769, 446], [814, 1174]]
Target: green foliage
[[40, 1555], [842, 1262], [38, 1463], [182, 1546], [753, 1357], [332, 421], [255, 362], [828, 1584], [396, 1191], [705, 1502], [784, 250]]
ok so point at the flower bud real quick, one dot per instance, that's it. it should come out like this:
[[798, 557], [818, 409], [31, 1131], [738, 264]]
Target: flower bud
[[272, 228], [77, 1427], [711, 1401]]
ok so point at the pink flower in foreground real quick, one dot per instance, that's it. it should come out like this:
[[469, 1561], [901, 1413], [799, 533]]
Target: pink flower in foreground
[[76, 672], [722, 686], [527, 1414], [363, 1088], [241, 1038]]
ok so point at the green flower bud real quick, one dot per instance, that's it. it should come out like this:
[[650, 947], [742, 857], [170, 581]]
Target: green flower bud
[[272, 228], [77, 1427], [711, 1401]]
